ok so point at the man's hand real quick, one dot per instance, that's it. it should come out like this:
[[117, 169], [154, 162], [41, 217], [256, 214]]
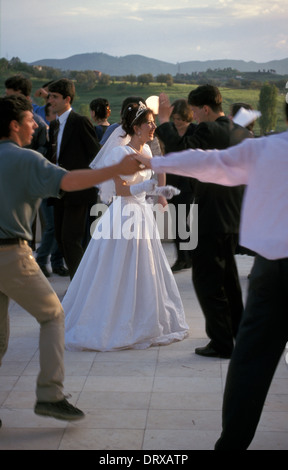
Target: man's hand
[[41, 93], [129, 165], [143, 161]]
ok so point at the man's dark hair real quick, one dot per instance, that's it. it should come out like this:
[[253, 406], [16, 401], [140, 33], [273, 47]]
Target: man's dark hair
[[235, 107], [286, 111], [12, 109], [20, 84], [64, 87], [46, 85], [208, 95]]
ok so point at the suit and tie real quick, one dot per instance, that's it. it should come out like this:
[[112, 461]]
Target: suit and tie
[[77, 146], [214, 270]]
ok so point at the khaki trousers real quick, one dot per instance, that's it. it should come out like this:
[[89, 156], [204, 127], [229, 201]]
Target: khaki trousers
[[22, 280]]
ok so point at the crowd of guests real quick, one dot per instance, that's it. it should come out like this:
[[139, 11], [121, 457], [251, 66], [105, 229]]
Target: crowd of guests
[[181, 121]]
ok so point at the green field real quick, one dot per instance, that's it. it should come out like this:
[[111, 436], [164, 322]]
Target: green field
[[116, 92]]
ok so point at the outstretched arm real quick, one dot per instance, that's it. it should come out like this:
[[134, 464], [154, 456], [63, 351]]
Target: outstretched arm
[[228, 167], [77, 180], [146, 161]]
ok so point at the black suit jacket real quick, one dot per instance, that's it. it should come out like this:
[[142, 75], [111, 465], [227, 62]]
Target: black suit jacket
[[79, 145], [180, 182], [219, 206]]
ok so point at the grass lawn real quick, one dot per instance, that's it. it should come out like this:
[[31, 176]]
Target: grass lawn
[[116, 92]]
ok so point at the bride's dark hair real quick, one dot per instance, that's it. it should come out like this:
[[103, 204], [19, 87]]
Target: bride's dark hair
[[130, 117]]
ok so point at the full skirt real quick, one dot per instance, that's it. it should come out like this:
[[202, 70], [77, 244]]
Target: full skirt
[[124, 294]]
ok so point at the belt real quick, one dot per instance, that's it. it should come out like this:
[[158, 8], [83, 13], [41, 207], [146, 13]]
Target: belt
[[12, 241]]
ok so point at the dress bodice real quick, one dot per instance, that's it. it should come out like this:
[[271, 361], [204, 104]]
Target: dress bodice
[[107, 189], [119, 153]]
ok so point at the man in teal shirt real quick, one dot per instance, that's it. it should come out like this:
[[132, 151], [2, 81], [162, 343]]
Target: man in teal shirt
[[25, 178]]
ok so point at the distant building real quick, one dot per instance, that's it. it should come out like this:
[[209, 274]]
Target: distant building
[[98, 74]]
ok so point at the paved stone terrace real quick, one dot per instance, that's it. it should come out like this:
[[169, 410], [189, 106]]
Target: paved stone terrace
[[164, 398]]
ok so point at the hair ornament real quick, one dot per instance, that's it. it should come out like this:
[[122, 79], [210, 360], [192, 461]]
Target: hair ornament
[[142, 107]]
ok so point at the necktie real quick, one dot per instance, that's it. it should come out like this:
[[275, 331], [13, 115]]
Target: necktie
[[54, 141]]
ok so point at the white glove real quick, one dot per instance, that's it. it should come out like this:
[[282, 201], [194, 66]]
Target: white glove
[[167, 191], [145, 187]]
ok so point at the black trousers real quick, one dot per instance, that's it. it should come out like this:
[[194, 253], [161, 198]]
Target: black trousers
[[262, 337], [182, 204], [70, 230], [217, 286]]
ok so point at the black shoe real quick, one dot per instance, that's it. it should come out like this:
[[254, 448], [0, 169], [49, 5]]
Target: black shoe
[[44, 270], [180, 266], [208, 351], [59, 410], [61, 271], [0, 423]]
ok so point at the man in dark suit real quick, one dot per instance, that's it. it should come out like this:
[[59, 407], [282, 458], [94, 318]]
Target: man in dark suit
[[214, 270], [75, 147]]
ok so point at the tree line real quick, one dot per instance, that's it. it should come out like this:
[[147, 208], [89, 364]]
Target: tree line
[[88, 79]]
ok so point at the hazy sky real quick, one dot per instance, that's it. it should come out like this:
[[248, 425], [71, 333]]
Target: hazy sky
[[169, 30]]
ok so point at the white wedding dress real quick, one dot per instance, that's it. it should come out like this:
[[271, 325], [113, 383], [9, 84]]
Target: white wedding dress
[[124, 294]]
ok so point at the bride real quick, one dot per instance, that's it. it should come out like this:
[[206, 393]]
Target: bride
[[124, 294]]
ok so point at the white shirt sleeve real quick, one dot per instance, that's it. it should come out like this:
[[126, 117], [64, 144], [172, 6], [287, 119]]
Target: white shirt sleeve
[[229, 167]]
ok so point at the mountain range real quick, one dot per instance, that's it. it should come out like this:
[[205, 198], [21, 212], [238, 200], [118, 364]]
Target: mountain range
[[138, 64]]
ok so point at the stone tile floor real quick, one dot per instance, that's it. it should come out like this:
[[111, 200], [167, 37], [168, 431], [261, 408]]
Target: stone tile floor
[[161, 398]]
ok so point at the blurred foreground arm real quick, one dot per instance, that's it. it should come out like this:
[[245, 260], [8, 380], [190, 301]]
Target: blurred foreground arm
[[146, 161], [77, 180]]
